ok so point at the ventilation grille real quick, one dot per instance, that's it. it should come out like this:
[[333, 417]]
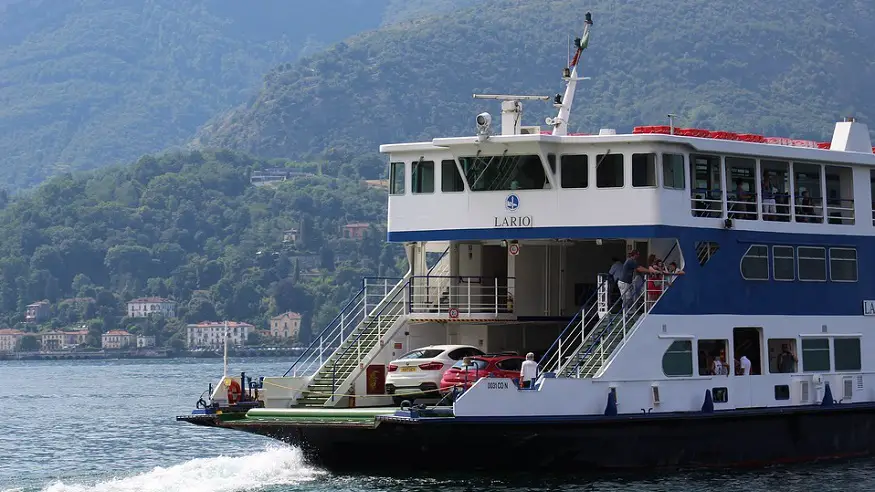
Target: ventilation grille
[[705, 250], [860, 382], [803, 393], [847, 389]]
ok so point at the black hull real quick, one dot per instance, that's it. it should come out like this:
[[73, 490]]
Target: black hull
[[694, 440]]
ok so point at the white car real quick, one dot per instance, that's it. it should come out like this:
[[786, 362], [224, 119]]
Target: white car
[[418, 373]]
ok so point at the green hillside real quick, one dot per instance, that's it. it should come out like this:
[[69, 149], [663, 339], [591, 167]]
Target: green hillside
[[86, 83], [191, 227], [782, 68]]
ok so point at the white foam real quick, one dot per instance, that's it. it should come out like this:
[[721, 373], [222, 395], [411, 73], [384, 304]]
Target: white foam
[[276, 465]]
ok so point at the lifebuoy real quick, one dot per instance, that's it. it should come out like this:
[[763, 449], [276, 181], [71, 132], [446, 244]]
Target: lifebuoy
[[234, 392]]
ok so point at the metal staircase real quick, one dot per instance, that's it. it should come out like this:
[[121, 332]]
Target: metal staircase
[[596, 334]]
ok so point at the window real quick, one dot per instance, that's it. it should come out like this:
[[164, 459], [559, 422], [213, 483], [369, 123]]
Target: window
[[706, 189], [422, 354], [396, 178], [450, 179], [475, 364], [812, 263], [755, 263], [678, 359], [643, 170], [510, 365], [847, 354], [815, 354], [713, 358], [463, 352], [705, 251], [673, 171], [720, 395], [782, 355], [782, 392], [504, 172], [575, 171], [423, 177], [784, 267], [609, 170], [843, 264]]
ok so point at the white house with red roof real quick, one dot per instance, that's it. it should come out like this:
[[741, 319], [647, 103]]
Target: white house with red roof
[[144, 307]]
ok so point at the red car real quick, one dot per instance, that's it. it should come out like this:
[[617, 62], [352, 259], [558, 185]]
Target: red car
[[496, 366]]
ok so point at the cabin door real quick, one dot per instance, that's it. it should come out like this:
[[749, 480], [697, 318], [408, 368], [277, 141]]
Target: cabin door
[[746, 343]]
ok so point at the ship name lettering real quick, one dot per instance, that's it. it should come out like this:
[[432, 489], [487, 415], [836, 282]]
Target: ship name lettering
[[868, 308], [514, 221], [497, 385]]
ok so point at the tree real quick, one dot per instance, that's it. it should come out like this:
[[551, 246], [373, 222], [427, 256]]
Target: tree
[[28, 343]]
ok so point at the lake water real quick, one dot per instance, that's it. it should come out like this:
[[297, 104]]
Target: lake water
[[108, 426]]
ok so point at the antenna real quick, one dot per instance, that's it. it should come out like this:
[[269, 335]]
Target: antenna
[[570, 75], [671, 117]]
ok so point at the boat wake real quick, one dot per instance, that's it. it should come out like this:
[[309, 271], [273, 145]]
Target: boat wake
[[275, 465]]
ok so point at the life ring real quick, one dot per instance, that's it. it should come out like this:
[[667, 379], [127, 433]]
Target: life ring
[[234, 392]]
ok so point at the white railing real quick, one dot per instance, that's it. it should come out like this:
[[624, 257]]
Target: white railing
[[371, 297], [466, 295], [707, 203], [840, 210]]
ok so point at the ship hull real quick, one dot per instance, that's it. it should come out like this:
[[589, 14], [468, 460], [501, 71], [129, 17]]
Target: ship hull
[[691, 440]]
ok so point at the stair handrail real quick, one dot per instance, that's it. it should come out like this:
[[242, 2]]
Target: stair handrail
[[396, 291], [549, 352], [438, 262], [599, 337], [331, 324]]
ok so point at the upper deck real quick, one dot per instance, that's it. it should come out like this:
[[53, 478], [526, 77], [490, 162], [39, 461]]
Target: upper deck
[[566, 186]]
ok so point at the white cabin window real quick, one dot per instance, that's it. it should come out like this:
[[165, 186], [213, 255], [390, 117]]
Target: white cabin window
[[846, 352], [812, 263], [784, 266], [755, 263], [422, 176], [673, 171], [609, 171], [396, 178], [707, 190], [815, 355], [678, 359], [782, 355], [807, 195], [843, 264], [840, 194], [714, 358], [575, 171], [643, 170], [775, 190], [504, 173], [741, 195], [451, 181]]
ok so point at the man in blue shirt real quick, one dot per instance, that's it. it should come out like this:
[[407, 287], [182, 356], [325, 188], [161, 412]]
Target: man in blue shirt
[[627, 274]]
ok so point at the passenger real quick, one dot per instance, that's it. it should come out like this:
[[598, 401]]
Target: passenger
[[528, 371], [631, 269], [719, 367], [786, 360], [614, 275], [739, 206], [671, 273], [804, 210], [744, 366], [769, 208], [655, 281]]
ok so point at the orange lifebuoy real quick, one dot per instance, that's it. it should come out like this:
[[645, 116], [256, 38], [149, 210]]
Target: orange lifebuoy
[[234, 392]]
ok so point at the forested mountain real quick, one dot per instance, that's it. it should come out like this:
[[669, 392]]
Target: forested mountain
[[779, 67], [191, 227], [87, 83]]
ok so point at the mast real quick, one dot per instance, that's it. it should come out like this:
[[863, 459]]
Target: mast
[[560, 122], [225, 371]]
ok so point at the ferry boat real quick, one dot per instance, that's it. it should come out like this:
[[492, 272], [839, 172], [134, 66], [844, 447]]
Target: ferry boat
[[753, 356]]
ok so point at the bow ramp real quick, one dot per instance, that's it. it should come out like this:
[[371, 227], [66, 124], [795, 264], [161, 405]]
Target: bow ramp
[[598, 332]]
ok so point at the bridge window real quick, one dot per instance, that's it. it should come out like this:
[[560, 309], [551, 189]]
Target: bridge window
[[840, 195], [575, 171], [807, 195], [846, 352], [673, 172], [815, 355], [609, 171], [784, 267], [643, 170], [678, 359], [396, 178], [504, 173], [843, 264], [422, 176], [812, 263], [755, 263], [775, 190], [706, 190], [450, 180], [741, 195]]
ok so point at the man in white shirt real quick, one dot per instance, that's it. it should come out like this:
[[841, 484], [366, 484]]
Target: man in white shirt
[[745, 365], [528, 371]]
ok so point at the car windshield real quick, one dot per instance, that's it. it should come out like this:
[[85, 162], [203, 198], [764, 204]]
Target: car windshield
[[423, 354], [476, 364]]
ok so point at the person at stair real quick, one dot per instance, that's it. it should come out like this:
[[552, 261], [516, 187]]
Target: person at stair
[[630, 270]]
